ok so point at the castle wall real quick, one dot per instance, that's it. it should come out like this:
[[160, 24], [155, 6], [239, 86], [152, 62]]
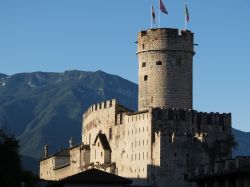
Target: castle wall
[[178, 142], [75, 160], [129, 136], [85, 157], [99, 117], [231, 172], [50, 170], [59, 166], [46, 168], [131, 146]]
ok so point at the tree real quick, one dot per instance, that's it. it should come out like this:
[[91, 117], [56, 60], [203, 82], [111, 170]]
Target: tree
[[10, 163], [220, 148]]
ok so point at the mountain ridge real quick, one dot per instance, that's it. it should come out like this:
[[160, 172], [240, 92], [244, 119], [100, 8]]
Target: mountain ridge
[[37, 106]]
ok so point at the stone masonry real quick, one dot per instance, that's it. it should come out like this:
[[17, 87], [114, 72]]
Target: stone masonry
[[165, 60]]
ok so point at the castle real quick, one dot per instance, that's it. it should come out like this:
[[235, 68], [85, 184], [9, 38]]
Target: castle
[[160, 144]]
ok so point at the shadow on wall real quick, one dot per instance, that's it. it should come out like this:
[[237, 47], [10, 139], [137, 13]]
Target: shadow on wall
[[157, 177]]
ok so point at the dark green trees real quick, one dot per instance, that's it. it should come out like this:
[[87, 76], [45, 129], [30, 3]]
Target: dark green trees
[[221, 148], [10, 164]]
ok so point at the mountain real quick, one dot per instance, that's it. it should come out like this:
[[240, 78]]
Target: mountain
[[2, 76], [46, 108], [243, 140]]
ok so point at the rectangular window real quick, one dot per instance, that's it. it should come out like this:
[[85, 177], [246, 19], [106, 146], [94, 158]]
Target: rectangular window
[[159, 63]]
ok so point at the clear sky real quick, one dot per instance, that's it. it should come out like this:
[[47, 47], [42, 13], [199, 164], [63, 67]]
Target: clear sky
[[59, 35]]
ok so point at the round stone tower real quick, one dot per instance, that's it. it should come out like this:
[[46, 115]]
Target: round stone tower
[[165, 59]]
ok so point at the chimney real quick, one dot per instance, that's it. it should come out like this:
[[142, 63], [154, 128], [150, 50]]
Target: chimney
[[46, 151], [60, 149], [70, 142]]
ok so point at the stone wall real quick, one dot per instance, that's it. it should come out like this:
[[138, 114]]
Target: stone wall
[[224, 173], [165, 58], [181, 134], [129, 136], [58, 166], [131, 146], [46, 168], [99, 117], [158, 147]]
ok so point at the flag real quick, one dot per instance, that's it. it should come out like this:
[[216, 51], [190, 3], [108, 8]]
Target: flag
[[186, 13], [163, 8], [153, 14]]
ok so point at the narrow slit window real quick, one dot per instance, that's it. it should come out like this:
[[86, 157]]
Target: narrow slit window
[[110, 133], [144, 64]]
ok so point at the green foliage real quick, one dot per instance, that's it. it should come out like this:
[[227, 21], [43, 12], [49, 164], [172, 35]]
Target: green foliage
[[243, 139], [29, 178], [220, 148], [10, 164], [11, 173]]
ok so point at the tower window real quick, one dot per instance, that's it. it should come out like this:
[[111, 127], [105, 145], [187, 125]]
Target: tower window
[[143, 46], [143, 64], [89, 139], [145, 78], [159, 63], [110, 133], [179, 62]]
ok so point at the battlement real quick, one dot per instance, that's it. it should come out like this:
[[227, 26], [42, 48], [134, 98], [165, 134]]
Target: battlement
[[227, 166], [165, 39], [165, 31], [100, 106], [200, 119]]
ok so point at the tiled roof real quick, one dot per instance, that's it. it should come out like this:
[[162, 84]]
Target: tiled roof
[[63, 152]]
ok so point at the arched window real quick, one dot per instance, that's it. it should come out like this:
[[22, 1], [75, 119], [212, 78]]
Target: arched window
[[145, 78], [159, 63]]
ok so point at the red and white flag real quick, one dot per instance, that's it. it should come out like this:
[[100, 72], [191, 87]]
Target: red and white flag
[[162, 7]]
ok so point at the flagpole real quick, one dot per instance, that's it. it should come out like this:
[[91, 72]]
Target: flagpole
[[151, 17], [185, 22], [159, 14], [185, 19]]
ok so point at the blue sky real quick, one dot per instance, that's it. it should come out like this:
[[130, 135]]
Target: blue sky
[[59, 35]]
